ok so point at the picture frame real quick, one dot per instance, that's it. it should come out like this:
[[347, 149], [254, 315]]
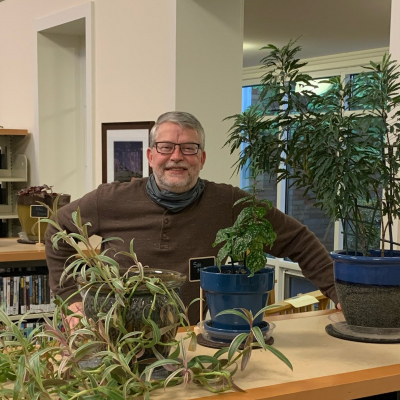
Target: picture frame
[[124, 146]]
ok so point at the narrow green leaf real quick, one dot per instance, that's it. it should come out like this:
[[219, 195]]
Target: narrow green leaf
[[235, 312], [280, 356], [235, 344]]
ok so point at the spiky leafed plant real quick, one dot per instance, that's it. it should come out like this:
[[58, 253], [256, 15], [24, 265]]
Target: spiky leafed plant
[[89, 362], [341, 146], [350, 159]]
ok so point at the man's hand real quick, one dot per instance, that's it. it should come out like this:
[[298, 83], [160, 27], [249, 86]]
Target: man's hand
[[76, 308]]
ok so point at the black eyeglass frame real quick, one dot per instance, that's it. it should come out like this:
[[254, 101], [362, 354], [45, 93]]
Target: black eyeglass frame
[[180, 148]]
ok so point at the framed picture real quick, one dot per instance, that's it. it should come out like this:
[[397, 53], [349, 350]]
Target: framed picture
[[124, 146]]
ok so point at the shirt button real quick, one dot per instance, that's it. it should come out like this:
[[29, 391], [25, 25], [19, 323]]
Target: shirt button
[[164, 235], [166, 221]]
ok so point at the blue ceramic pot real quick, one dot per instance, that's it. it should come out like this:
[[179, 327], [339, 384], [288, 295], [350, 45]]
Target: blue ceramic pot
[[227, 290], [368, 288]]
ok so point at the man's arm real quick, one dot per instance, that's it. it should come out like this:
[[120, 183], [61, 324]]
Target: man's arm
[[295, 241], [56, 259]]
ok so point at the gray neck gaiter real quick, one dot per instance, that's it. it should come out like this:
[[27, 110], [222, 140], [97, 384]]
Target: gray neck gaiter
[[173, 202]]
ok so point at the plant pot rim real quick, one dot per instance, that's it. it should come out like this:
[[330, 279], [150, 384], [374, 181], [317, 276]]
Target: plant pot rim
[[48, 198], [170, 279], [212, 280], [210, 270], [341, 255]]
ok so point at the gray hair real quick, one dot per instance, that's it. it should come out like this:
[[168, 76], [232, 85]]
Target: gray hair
[[184, 120]]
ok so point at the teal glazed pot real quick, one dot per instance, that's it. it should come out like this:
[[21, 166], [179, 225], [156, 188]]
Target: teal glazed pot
[[227, 290], [368, 288]]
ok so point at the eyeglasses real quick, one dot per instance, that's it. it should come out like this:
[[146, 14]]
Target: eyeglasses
[[188, 149]]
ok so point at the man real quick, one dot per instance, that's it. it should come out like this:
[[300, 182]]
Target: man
[[174, 215]]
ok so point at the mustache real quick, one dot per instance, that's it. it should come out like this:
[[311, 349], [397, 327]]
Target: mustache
[[176, 165]]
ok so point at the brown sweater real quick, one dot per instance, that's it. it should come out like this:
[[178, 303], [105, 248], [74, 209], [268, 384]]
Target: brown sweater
[[168, 240]]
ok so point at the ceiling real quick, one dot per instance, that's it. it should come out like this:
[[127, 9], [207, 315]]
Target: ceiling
[[325, 26]]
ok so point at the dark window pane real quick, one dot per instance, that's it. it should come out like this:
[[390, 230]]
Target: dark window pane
[[254, 99], [368, 226], [266, 188], [302, 209], [322, 88], [295, 285], [357, 80]]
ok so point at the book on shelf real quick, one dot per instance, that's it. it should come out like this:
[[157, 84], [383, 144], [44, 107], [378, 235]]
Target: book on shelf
[[22, 294], [27, 327]]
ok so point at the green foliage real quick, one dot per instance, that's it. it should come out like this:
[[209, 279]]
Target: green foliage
[[245, 240], [248, 338], [90, 362], [347, 160], [350, 160], [257, 139]]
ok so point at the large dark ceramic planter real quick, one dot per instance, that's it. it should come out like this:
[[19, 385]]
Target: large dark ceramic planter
[[368, 288], [226, 290], [163, 315]]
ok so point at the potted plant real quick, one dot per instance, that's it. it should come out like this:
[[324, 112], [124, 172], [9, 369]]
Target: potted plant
[[32, 195], [342, 148], [261, 143], [247, 284], [106, 356]]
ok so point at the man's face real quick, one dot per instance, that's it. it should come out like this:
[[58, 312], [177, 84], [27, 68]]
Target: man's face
[[176, 172]]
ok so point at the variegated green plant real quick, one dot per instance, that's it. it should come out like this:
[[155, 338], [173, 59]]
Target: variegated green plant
[[245, 240], [87, 363]]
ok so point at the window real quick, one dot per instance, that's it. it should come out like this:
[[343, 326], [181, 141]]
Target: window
[[251, 97], [302, 208], [357, 105], [288, 199], [291, 200], [296, 284]]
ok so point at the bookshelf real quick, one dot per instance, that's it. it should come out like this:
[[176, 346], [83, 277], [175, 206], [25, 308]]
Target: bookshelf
[[26, 259], [23, 281], [30, 316], [13, 169]]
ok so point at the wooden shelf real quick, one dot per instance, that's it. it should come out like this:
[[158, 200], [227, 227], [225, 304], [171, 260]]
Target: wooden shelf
[[19, 171], [30, 316], [11, 179], [8, 215], [15, 132]]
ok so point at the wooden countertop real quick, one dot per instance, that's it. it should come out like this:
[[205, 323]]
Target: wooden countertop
[[324, 367], [11, 250]]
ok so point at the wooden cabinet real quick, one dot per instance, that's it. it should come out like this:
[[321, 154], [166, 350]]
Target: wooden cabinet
[[13, 170]]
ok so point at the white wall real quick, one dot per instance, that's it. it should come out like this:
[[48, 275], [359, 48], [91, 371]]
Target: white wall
[[209, 58], [137, 72], [134, 63], [61, 85]]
